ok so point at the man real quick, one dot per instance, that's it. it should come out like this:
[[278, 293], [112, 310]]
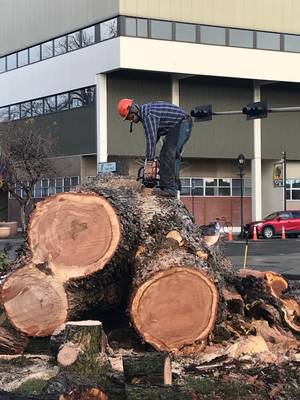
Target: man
[[161, 119]]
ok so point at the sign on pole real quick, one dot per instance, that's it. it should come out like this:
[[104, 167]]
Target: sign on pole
[[106, 167], [278, 174]]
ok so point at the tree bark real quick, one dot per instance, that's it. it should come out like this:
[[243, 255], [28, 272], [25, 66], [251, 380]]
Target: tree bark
[[81, 353], [147, 369], [12, 342]]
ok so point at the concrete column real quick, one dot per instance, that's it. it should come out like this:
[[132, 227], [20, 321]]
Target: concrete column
[[175, 91], [101, 115], [256, 162]]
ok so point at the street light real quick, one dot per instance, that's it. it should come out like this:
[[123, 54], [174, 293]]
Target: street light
[[241, 163]]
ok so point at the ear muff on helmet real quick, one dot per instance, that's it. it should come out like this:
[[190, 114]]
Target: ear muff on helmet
[[124, 107]]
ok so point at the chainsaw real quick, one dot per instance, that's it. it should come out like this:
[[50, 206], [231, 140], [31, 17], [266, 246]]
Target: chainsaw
[[149, 183]]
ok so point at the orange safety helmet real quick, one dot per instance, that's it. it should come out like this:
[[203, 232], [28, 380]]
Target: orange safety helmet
[[124, 107]]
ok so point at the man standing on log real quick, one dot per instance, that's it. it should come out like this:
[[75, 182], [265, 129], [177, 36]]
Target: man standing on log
[[161, 119]]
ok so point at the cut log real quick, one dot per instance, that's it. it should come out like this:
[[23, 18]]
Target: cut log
[[175, 301], [84, 394], [147, 369], [34, 302], [12, 342], [76, 234], [81, 354]]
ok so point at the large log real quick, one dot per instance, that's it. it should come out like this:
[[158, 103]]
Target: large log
[[175, 299]]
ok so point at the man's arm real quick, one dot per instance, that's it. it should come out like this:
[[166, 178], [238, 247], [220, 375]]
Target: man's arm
[[151, 125]]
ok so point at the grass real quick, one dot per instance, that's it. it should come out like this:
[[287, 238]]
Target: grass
[[211, 389], [31, 386]]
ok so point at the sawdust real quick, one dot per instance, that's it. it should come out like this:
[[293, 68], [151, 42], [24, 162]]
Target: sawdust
[[38, 367]]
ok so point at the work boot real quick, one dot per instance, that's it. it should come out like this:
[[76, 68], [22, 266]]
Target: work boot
[[165, 192]]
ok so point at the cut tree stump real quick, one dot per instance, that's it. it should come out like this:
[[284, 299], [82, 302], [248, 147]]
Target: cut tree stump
[[147, 369], [81, 354]]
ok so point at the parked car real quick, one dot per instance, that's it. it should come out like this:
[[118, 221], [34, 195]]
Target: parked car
[[272, 224]]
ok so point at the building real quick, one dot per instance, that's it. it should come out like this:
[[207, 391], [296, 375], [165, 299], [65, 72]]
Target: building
[[70, 61]]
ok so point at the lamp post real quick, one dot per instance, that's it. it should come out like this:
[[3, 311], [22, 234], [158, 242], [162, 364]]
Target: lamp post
[[284, 179], [241, 163]]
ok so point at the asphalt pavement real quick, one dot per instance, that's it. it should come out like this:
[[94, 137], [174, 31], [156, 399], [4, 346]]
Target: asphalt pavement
[[282, 256]]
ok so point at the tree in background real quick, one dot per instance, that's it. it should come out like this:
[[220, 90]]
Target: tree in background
[[25, 157]]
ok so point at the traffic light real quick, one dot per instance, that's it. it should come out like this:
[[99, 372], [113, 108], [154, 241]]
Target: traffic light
[[202, 113], [256, 110]]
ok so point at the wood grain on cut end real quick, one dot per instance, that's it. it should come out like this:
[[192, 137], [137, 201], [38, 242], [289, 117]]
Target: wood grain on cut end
[[174, 308], [84, 394], [35, 303], [75, 233]]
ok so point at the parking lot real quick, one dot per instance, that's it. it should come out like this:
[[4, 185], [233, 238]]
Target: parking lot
[[278, 255]]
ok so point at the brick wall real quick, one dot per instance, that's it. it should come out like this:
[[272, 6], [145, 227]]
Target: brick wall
[[206, 209]]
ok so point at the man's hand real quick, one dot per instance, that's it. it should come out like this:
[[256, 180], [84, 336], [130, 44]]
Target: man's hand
[[148, 171]]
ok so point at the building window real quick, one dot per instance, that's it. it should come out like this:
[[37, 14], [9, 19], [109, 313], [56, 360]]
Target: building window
[[4, 114], [161, 30], [130, 27], [11, 62], [88, 36], [35, 54], [214, 187], [74, 41], [293, 189], [2, 64], [185, 32], [60, 45], [37, 107], [14, 112], [49, 104], [26, 110], [47, 50], [292, 43], [63, 102], [236, 187], [23, 58], [268, 41], [109, 29], [142, 28], [76, 99], [47, 187], [241, 38], [212, 35]]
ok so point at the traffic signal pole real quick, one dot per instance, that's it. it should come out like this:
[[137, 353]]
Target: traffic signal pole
[[252, 111]]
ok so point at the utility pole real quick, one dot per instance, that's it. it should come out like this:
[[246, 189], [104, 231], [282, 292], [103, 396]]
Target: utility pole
[[284, 179]]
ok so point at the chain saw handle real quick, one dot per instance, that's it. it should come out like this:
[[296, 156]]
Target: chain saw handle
[[149, 183]]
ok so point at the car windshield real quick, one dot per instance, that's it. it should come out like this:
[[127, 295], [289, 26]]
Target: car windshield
[[271, 216]]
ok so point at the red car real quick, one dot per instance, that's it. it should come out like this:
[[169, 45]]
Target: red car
[[273, 223]]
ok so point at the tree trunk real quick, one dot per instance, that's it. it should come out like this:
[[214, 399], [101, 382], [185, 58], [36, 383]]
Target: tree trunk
[[147, 369]]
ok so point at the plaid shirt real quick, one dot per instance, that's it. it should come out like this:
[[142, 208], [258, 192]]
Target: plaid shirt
[[157, 119]]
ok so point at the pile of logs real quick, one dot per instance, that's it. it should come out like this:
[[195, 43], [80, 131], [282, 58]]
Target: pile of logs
[[110, 244]]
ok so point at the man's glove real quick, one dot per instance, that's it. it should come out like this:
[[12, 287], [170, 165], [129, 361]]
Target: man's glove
[[148, 170]]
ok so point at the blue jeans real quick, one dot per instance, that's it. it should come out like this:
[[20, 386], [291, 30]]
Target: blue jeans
[[170, 155]]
